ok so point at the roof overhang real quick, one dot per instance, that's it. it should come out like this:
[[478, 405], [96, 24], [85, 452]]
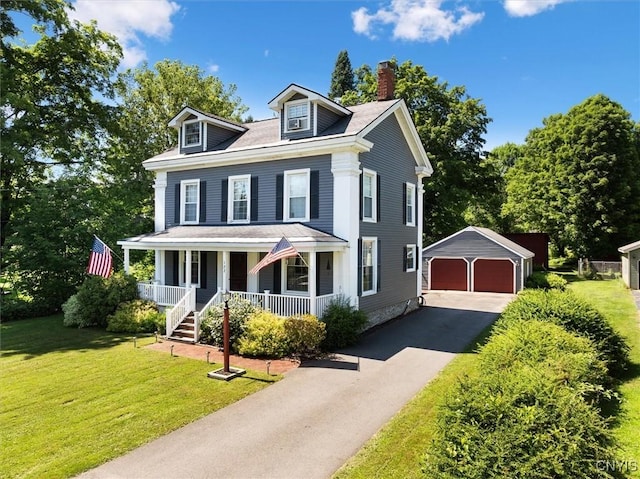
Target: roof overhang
[[498, 239], [629, 247], [187, 111], [249, 238], [280, 151]]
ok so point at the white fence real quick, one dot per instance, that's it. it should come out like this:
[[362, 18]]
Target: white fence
[[608, 268], [162, 295]]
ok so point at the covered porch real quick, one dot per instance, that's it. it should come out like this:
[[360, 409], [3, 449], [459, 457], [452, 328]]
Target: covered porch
[[204, 265]]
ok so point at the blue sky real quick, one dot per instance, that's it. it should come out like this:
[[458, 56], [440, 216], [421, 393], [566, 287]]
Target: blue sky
[[525, 59]]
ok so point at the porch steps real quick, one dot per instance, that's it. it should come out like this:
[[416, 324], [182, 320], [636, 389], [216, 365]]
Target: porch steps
[[186, 330]]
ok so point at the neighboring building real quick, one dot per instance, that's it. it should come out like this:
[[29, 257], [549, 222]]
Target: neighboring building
[[343, 185], [631, 264], [537, 243], [477, 259]]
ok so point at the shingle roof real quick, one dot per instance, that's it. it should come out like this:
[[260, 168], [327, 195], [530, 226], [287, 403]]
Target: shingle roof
[[256, 235], [491, 235], [266, 133]]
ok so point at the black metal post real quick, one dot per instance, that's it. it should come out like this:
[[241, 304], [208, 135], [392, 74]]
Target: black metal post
[[225, 334]]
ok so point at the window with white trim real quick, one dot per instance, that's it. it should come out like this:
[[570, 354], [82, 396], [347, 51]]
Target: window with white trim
[[296, 195], [369, 265], [190, 202], [410, 258], [239, 199], [410, 206], [296, 115], [296, 277], [195, 268], [369, 195], [191, 133]]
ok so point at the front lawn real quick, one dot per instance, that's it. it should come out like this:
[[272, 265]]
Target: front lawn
[[397, 450], [75, 398]]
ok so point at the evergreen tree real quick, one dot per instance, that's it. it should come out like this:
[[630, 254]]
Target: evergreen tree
[[342, 76]]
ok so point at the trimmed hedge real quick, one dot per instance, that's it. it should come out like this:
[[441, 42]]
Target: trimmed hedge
[[542, 280], [575, 315], [304, 334], [137, 316], [264, 336]]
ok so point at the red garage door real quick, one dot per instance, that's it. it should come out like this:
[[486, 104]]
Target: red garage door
[[493, 275], [449, 274]]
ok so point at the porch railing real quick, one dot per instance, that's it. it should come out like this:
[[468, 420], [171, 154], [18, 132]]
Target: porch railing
[[181, 310], [216, 299], [287, 305], [161, 294]]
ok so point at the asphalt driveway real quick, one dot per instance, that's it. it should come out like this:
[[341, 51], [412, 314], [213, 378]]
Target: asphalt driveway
[[310, 423]]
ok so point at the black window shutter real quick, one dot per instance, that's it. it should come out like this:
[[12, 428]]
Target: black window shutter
[[361, 195], [277, 277], [176, 268], [176, 217], [203, 269], [404, 258], [203, 202], [378, 202], [279, 195], [254, 198], [224, 192], [404, 204], [314, 207], [379, 266], [359, 266]]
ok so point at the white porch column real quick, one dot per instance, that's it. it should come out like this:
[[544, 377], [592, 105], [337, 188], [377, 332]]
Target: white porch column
[[159, 272], [345, 167], [160, 187], [313, 265], [126, 260], [187, 269], [226, 261]]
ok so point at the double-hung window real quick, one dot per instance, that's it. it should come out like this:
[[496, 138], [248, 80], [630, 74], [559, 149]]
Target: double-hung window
[[297, 192], [195, 268], [297, 274], [410, 258], [297, 115], [369, 265], [191, 134], [190, 204], [369, 195], [239, 199], [410, 204]]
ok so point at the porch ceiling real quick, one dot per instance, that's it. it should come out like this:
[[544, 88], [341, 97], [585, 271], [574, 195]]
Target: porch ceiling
[[234, 237]]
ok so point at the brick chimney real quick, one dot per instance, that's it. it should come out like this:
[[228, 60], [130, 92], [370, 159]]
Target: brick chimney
[[386, 81]]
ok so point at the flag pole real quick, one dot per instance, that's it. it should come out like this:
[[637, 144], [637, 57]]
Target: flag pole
[[107, 246], [298, 252]]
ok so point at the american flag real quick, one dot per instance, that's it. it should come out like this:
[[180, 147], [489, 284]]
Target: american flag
[[100, 261], [283, 249]]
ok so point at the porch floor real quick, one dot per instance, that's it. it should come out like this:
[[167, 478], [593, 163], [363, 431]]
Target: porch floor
[[199, 351]]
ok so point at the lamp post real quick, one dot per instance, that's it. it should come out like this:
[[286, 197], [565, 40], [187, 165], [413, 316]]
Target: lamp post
[[225, 335]]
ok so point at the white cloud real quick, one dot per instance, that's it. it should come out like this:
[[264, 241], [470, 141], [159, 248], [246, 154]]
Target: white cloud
[[416, 20], [527, 8], [213, 68], [266, 53], [127, 20]]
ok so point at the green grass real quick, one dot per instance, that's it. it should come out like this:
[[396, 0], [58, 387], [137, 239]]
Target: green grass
[[396, 451], [75, 398], [614, 301]]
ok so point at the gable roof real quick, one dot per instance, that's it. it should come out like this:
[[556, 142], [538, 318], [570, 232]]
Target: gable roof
[[261, 140], [291, 90], [490, 235], [188, 111], [629, 247]]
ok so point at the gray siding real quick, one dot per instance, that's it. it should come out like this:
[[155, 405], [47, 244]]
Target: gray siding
[[392, 160], [210, 272], [324, 265], [217, 135], [470, 244], [325, 119], [266, 173]]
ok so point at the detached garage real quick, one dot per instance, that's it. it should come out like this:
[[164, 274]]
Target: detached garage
[[477, 259]]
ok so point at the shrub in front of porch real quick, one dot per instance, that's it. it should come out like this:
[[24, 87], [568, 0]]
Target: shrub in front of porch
[[265, 336], [304, 334], [137, 316], [211, 327], [343, 322]]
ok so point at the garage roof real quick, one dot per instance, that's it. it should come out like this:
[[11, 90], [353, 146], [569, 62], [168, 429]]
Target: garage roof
[[490, 235], [630, 247]]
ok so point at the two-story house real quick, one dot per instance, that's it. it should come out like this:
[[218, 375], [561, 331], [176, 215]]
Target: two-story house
[[343, 185]]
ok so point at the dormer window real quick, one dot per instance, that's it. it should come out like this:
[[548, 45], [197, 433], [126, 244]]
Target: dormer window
[[297, 115], [191, 134]]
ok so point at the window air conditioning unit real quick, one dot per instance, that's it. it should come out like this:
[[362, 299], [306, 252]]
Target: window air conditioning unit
[[295, 124]]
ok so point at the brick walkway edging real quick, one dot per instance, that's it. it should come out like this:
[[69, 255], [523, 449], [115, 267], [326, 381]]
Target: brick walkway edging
[[199, 351]]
